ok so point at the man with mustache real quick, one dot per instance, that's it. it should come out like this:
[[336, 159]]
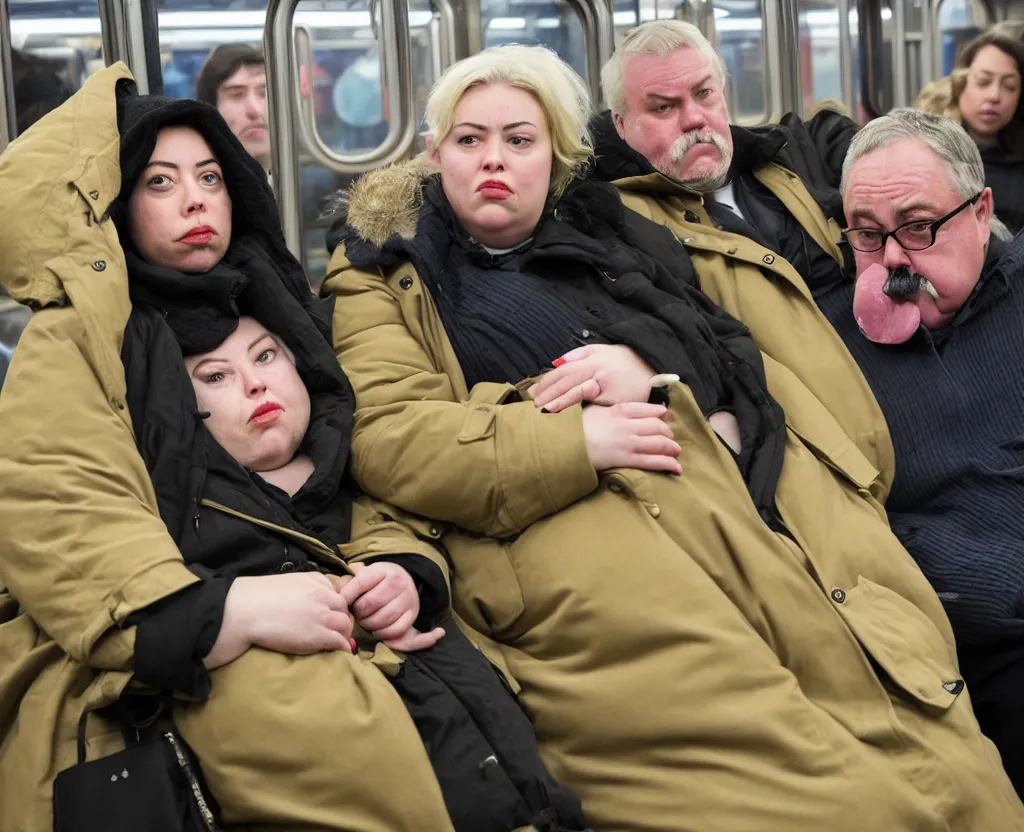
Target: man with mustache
[[758, 210], [935, 322], [233, 78]]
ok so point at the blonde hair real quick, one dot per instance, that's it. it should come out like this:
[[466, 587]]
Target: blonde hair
[[561, 93], [656, 37], [939, 97]]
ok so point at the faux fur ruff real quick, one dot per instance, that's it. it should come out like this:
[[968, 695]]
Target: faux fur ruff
[[385, 202]]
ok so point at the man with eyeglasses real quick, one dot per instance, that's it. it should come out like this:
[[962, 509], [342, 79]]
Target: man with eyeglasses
[[936, 322]]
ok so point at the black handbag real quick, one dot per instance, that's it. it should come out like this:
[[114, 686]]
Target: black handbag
[[151, 786]]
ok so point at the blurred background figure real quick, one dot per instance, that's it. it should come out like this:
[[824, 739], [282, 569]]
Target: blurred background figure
[[937, 97], [38, 87], [358, 100], [233, 78], [986, 90]]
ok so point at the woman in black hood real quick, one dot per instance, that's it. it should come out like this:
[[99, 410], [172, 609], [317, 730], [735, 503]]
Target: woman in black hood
[[252, 487]]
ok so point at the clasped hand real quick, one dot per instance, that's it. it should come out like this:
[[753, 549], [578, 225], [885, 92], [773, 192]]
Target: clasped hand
[[308, 612], [621, 429]]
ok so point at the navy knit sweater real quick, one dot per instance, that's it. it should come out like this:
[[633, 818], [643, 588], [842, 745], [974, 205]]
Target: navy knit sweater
[[954, 402]]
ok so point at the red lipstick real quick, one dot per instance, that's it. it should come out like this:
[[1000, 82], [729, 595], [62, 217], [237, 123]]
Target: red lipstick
[[266, 413], [198, 236], [494, 189]]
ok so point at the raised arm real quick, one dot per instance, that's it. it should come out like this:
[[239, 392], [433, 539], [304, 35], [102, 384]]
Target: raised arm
[[82, 545], [484, 460]]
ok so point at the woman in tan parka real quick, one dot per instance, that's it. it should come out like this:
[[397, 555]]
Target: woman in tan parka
[[291, 730], [703, 641]]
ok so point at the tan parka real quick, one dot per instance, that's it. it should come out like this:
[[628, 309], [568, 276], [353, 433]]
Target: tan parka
[[686, 667], [764, 291], [309, 743]]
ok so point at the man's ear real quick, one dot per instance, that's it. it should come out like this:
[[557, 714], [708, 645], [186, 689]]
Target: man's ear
[[620, 125], [984, 211]]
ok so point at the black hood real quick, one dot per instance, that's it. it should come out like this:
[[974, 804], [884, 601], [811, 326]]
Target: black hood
[[258, 277], [614, 159], [141, 117]]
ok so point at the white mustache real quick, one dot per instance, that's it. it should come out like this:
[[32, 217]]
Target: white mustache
[[694, 137]]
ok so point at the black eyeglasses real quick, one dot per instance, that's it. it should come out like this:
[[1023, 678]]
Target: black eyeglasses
[[916, 235]]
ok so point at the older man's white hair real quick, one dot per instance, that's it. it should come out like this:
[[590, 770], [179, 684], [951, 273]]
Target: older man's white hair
[[944, 136], [656, 37]]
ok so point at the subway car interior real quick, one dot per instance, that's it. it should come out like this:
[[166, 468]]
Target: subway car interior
[[347, 79]]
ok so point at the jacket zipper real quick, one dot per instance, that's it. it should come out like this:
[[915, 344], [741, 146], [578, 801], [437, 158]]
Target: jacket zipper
[[208, 820], [310, 545]]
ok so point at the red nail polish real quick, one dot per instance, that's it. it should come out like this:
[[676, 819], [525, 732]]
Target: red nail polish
[[352, 641], [558, 362]]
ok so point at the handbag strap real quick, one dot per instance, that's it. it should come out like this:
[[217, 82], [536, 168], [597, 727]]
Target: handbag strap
[[134, 712]]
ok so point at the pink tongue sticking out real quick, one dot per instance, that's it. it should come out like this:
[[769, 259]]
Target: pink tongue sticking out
[[880, 318]]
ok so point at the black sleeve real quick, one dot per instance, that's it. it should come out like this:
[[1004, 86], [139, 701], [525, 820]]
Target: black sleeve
[[653, 340], [430, 584], [822, 143], [173, 636]]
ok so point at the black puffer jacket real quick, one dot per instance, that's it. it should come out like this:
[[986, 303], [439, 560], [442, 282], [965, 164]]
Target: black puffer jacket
[[813, 150]]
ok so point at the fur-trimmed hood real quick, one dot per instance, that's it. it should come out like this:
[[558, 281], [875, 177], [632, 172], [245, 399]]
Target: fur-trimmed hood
[[382, 203], [400, 213]]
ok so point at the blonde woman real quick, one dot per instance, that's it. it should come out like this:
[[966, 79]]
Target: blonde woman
[[669, 540]]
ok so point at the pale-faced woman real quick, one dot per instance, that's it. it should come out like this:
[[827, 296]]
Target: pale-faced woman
[[645, 516], [987, 90]]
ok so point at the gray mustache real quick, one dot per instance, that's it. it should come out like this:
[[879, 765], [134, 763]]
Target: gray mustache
[[902, 284], [688, 140]]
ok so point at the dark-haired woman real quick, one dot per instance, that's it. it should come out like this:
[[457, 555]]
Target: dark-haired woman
[[987, 90]]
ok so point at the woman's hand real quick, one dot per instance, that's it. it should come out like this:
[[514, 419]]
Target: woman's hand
[[298, 614], [630, 435], [600, 373], [384, 599]]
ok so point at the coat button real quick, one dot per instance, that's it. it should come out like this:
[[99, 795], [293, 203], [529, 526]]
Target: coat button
[[405, 282], [615, 488], [585, 333], [287, 566], [954, 687], [769, 259], [689, 216], [655, 510], [838, 595], [99, 265], [94, 194], [434, 532]]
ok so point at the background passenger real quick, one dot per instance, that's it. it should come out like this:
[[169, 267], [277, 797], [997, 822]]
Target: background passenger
[[709, 633], [38, 87], [233, 78], [940, 301], [988, 96]]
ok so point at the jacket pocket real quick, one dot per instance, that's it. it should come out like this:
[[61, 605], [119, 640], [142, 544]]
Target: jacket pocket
[[903, 641], [485, 590]]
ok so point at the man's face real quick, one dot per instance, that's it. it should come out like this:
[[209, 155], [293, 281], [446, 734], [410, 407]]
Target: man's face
[[907, 182], [676, 116], [242, 100]]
